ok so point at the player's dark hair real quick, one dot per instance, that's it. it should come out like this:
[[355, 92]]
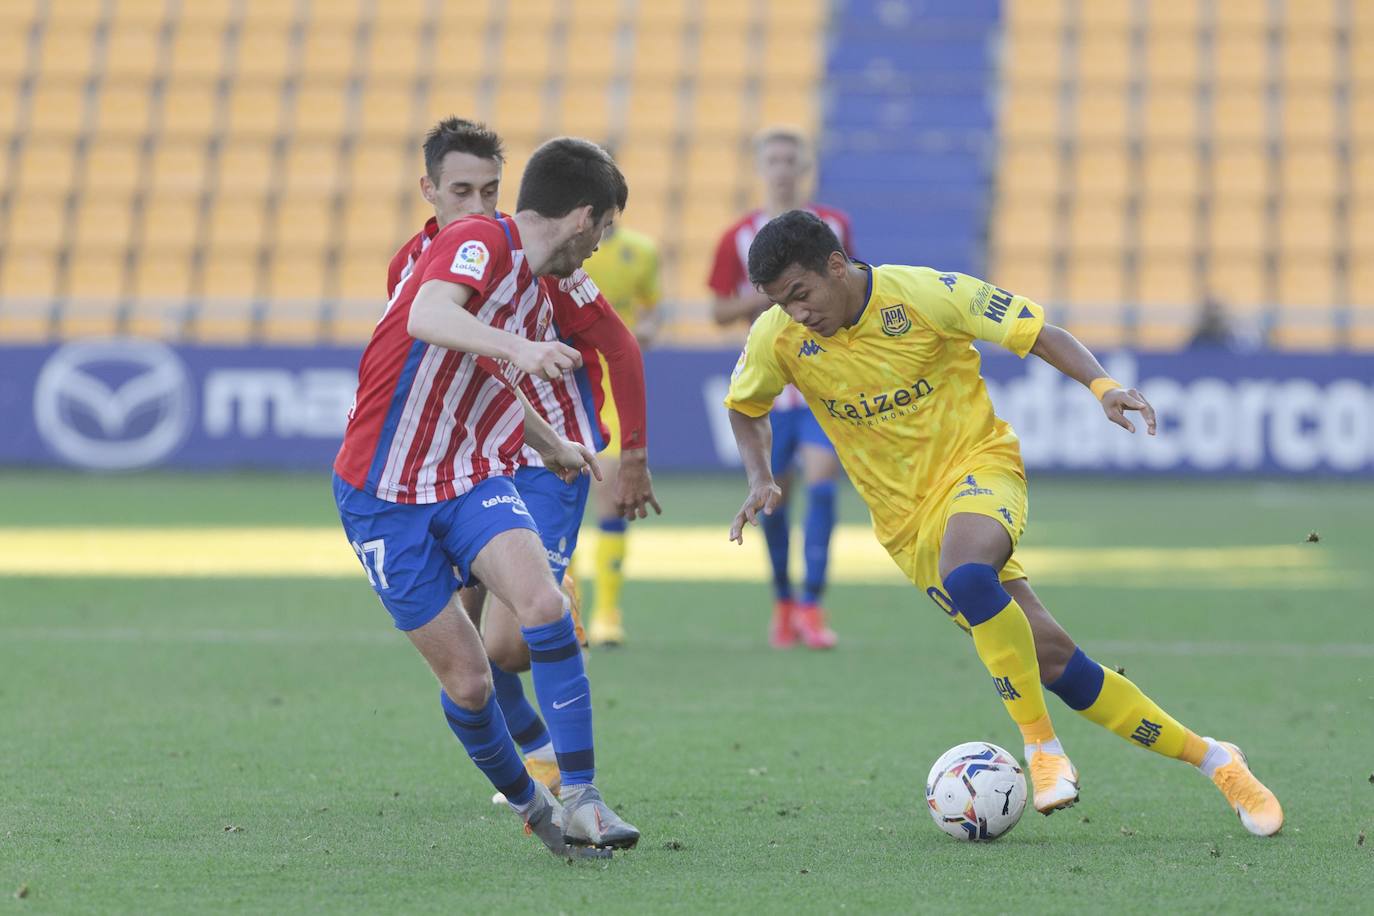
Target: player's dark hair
[[456, 135], [795, 237], [567, 173]]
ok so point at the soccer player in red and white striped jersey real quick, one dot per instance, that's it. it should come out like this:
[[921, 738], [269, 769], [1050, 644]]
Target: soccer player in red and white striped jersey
[[784, 160], [423, 480]]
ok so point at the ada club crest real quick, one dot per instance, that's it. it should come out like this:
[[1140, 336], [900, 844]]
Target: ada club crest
[[896, 321]]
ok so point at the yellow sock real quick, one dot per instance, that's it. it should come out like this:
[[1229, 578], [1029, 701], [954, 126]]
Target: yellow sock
[[610, 556], [1007, 648], [1123, 708]]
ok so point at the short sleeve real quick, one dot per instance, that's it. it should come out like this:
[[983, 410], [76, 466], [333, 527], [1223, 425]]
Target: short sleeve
[[962, 306], [727, 273], [467, 252], [577, 302], [758, 378]]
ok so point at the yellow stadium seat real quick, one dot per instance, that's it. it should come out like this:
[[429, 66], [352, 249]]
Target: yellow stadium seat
[[224, 319], [1310, 172], [171, 222], [1022, 15], [255, 111], [28, 273], [386, 110], [584, 110], [1033, 56], [1240, 170], [1170, 115], [1239, 279], [312, 167], [1101, 115], [271, 14], [180, 167], [665, 15], [787, 103], [1307, 279], [245, 164], [1237, 225], [238, 222], [658, 56], [1239, 115], [460, 56], [38, 219], [393, 51], [132, 51], [1095, 279], [644, 159], [1024, 223], [451, 98], [68, 53], [414, 211], [1101, 171], [230, 274], [264, 52], [20, 14], [1361, 56], [198, 52], [189, 110], [361, 275], [603, 14], [69, 13], [1030, 113], [159, 276], [1029, 273], [1240, 57], [653, 109], [589, 51], [1361, 228], [1168, 224], [716, 170], [205, 13], [103, 220], [15, 56], [385, 168], [1241, 14], [526, 52], [1309, 116], [1104, 58], [57, 109], [728, 14], [520, 108], [96, 272], [1032, 169], [792, 56], [370, 223], [725, 56], [1173, 18], [144, 12], [123, 112], [329, 52], [718, 114], [304, 221], [1166, 279], [320, 112], [1170, 169], [1097, 224], [298, 274], [294, 321], [1309, 59], [1171, 60], [46, 167], [1106, 15], [1307, 227], [112, 168]]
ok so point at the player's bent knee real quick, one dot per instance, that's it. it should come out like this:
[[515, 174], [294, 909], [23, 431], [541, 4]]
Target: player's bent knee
[[976, 591], [541, 606], [468, 689], [512, 656]]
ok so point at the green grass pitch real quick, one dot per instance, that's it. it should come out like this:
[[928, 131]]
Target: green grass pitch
[[189, 745]]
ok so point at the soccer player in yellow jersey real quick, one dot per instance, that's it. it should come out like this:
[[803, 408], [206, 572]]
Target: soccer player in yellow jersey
[[884, 358], [625, 268]]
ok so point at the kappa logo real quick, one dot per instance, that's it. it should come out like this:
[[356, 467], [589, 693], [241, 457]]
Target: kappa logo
[[896, 321], [949, 280], [810, 348], [113, 404], [470, 260]]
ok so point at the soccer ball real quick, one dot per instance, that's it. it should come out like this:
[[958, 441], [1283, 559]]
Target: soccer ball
[[976, 791]]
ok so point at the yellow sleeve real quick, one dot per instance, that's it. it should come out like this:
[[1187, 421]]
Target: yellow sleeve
[[758, 378], [649, 292], [958, 305]]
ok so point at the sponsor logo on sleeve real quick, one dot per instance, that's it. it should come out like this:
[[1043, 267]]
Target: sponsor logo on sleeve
[[471, 260], [998, 305], [580, 288]]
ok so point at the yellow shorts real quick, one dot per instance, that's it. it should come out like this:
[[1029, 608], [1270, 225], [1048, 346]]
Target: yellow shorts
[[997, 491], [609, 414]]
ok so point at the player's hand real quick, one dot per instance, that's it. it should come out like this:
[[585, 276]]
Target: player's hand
[[546, 359], [569, 459], [1116, 402], [634, 487], [763, 498]]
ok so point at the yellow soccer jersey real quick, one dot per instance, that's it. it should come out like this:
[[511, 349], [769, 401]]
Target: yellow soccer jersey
[[899, 393], [625, 268]]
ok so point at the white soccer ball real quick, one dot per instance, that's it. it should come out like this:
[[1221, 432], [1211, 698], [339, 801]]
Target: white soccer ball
[[976, 791]]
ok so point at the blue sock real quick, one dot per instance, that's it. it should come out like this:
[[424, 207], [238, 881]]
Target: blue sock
[[775, 532], [976, 592], [524, 723], [565, 696], [820, 522], [1080, 683], [485, 738], [613, 525]]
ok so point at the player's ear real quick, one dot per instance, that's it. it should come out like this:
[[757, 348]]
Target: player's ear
[[427, 188], [837, 264]]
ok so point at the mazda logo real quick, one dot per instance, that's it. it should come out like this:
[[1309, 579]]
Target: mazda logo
[[113, 404]]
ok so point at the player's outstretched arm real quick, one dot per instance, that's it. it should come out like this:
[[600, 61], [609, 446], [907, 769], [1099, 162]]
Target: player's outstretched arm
[[437, 316], [746, 307], [754, 437], [565, 458], [1066, 353]]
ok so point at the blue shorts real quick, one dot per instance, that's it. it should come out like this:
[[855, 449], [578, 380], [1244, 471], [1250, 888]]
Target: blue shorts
[[557, 508], [793, 428], [410, 552]]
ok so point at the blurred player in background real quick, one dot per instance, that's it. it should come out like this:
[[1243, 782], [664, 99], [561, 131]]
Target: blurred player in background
[[784, 164], [423, 481], [463, 167], [895, 380], [625, 268]]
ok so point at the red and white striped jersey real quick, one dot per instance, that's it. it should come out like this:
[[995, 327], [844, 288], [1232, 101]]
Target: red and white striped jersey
[[568, 403], [429, 423]]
